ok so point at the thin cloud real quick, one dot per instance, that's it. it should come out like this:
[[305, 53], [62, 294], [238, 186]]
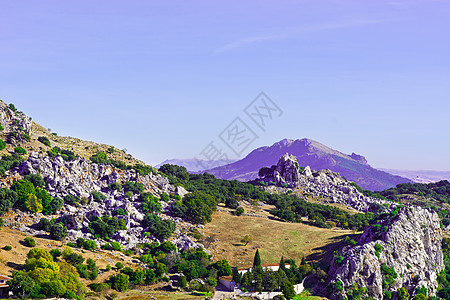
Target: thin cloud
[[293, 32]]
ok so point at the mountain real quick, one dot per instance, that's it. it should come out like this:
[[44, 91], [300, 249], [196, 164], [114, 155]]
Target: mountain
[[308, 152], [420, 176], [193, 165]]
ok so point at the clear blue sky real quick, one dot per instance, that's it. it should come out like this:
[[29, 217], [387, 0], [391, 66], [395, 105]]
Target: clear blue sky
[[164, 78]]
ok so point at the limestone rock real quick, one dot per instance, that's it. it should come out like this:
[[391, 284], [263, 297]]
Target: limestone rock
[[411, 246]]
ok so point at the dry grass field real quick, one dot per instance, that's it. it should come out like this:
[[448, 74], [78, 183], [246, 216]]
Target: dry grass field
[[273, 238]]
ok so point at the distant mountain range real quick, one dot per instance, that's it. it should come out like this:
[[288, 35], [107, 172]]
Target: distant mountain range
[[194, 165], [308, 152], [420, 176]]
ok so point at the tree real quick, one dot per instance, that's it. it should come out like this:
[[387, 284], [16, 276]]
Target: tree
[[246, 239], [58, 231], [223, 267], [257, 259], [2, 144], [182, 282], [57, 204], [120, 282], [33, 204], [7, 200], [239, 211], [21, 285], [36, 180], [200, 206], [403, 293], [29, 242], [282, 264]]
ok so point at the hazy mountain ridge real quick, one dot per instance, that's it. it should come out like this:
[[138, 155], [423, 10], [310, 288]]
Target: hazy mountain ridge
[[311, 153], [420, 176], [195, 165]]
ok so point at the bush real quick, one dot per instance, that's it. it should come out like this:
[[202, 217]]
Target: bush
[[98, 287], [106, 226], [20, 150], [2, 144], [120, 282], [120, 212], [58, 231], [7, 248], [115, 186], [44, 140], [36, 180], [55, 253], [72, 200], [135, 187], [29, 242], [119, 265], [98, 196], [239, 211], [165, 197], [7, 200], [99, 158]]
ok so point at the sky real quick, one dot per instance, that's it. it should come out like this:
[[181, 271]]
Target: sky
[[173, 79]]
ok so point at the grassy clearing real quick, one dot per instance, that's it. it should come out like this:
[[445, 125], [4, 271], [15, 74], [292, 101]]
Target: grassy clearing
[[273, 238]]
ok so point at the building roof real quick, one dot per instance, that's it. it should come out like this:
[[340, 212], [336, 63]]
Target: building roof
[[227, 278]]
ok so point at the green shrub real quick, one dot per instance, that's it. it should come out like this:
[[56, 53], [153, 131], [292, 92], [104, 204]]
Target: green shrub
[[239, 211], [7, 200], [135, 187], [339, 259], [128, 194], [98, 287], [378, 250], [120, 212], [119, 265], [7, 248], [115, 186], [44, 140], [55, 253], [2, 144], [58, 232], [2, 222], [1, 127], [165, 197], [108, 267], [98, 196], [120, 282], [99, 158], [20, 150], [29, 242], [106, 226], [36, 180], [116, 246], [72, 200]]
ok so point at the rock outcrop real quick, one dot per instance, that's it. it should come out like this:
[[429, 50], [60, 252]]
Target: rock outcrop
[[16, 125], [403, 250], [324, 183]]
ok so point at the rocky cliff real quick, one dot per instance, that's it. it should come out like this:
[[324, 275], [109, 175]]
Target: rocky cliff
[[325, 184], [403, 250], [16, 125]]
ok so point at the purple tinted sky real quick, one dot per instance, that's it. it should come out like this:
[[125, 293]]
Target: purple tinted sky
[[164, 78]]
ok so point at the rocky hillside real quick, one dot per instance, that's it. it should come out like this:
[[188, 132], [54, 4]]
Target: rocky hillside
[[20, 130], [80, 178], [401, 252], [310, 153], [325, 184]]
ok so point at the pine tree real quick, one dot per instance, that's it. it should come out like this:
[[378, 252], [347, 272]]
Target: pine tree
[[257, 260], [282, 264]]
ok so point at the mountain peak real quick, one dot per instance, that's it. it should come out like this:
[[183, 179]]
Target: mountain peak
[[311, 153]]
